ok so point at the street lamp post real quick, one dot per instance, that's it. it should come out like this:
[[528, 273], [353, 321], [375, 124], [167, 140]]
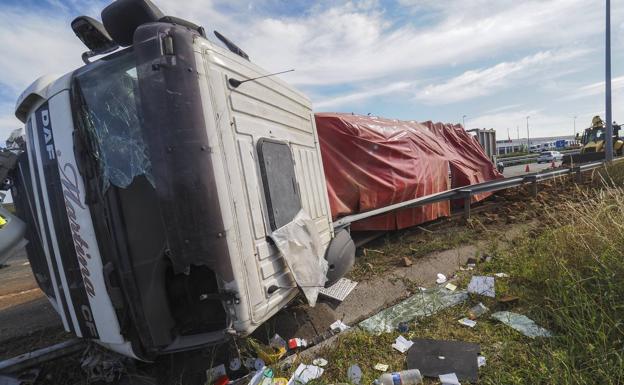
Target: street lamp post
[[464, 121], [528, 140], [574, 128], [609, 133]]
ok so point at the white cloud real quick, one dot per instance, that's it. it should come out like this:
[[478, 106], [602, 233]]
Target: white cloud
[[336, 102], [475, 83]]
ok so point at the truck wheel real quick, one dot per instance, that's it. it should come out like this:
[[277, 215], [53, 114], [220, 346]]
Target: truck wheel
[[340, 256]]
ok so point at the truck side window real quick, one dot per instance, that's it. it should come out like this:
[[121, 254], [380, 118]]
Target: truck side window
[[281, 190]]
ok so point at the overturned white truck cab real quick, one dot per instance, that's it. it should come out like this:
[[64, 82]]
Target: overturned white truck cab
[[155, 179]]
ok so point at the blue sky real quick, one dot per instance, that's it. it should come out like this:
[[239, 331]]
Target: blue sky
[[494, 61]]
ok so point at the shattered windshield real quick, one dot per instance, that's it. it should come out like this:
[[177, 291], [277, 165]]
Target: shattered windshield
[[107, 104]]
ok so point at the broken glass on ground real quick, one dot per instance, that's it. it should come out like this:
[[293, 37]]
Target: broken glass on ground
[[422, 304], [521, 323], [482, 286]]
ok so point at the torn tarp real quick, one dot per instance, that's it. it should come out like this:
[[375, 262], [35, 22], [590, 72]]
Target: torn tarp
[[422, 304], [300, 246]]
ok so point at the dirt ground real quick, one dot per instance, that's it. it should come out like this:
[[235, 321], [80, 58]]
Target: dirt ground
[[28, 322]]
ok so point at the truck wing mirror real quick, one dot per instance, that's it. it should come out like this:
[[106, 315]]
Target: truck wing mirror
[[92, 33]]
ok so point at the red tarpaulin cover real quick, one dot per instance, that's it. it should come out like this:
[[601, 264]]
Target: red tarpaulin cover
[[371, 162]]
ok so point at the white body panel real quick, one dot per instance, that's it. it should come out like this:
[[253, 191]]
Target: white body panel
[[265, 108]]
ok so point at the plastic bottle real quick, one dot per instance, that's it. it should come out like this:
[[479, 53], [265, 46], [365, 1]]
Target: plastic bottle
[[405, 377]]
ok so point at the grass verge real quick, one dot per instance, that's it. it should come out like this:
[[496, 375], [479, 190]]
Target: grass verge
[[569, 275]]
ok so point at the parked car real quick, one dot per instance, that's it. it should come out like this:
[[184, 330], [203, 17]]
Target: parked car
[[549, 156]]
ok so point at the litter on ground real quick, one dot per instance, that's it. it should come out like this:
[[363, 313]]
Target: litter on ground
[[320, 362], [213, 373], [436, 357], [338, 326], [501, 275], [441, 278], [339, 290], [305, 374], [482, 286], [449, 379], [402, 344], [422, 304], [450, 287], [481, 361], [521, 323], [354, 374], [381, 367], [477, 311], [468, 322]]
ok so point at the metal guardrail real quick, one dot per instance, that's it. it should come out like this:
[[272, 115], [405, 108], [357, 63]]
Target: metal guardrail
[[514, 160], [466, 192]]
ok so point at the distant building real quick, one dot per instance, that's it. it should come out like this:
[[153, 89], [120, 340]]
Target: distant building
[[536, 144]]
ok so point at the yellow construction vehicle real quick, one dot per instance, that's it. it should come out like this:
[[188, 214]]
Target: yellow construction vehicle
[[593, 143]]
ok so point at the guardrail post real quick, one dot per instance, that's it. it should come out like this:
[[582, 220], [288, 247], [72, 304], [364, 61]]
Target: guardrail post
[[467, 194], [533, 180], [578, 177]]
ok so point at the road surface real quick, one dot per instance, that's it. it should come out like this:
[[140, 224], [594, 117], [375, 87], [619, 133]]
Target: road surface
[[521, 169]]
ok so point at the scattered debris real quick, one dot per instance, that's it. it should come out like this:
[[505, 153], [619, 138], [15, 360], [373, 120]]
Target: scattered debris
[[320, 362], [466, 268], [259, 364], [508, 299], [468, 322], [501, 275], [471, 262], [449, 379], [441, 278], [339, 326], [381, 367], [235, 364], [354, 374], [457, 357], [339, 290], [481, 361], [215, 373], [268, 354], [450, 287], [296, 343], [102, 365], [482, 286], [402, 344], [407, 262], [403, 327], [421, 304], [404, 377], [280, 381], [277, 342], [304, 374], [521, 323], [477, 311]]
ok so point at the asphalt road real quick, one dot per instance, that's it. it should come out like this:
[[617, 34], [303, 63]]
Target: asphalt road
[[521, 169]]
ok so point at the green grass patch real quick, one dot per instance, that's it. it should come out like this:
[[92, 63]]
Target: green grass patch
[[569, 275]]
